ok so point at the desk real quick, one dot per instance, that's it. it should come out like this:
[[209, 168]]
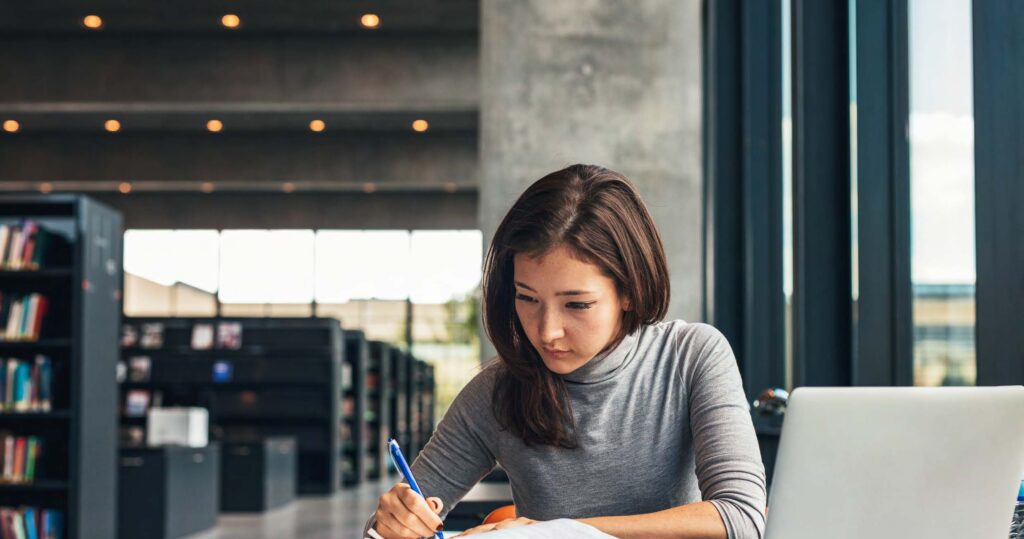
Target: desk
[[478, 502]]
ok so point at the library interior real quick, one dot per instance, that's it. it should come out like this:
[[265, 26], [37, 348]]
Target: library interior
[[261, 263]]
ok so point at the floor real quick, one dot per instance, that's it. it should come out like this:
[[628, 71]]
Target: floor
[[336, 517]]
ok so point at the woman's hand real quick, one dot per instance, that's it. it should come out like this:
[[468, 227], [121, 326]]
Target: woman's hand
[[510, 523], [403, 514]]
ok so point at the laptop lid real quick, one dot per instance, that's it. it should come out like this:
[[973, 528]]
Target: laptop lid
[[898, 462]]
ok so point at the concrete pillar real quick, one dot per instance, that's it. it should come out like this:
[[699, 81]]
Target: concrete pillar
[[615, 83]]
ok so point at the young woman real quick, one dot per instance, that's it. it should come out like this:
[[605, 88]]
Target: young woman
[[596, 409]]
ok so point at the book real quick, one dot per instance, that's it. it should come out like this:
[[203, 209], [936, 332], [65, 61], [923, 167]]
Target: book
[[32, 455], [152, 335], [19, 459], [229, 335], [202, 336], [44, 396], [136, 402], [22, 387], [31, 532], [129, 336], [139, 368]]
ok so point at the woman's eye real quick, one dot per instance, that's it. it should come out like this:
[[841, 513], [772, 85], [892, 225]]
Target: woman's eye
[[579, 305], [522, 297]]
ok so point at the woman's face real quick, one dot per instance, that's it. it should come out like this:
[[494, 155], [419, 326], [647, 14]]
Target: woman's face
[[569, 309]]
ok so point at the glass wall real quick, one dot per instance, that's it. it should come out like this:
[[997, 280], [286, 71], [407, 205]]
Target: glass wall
[[942, 191], [363, 278]]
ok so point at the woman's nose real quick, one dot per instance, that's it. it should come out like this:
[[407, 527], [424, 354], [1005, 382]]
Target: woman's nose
[[550, 327]]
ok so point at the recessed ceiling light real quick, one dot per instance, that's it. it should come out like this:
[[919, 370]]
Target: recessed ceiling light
[[214, 126], [370, 20], [206, 187], [93, 22], [11, 126], [112, 125], [317, 126], [420, 126], [369, 187], [125, 188], [46, 187], [288, 187], [230, 20]]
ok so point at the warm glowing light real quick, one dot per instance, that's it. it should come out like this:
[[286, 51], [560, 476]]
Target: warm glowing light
[[420, 126], [214, 126], [46, 187], [450, 187], [11, 126], [370, 20], [125, 188], [317, 126], [288, 187], [206, 187], [92, 21], [230, 20], [112, 125], [369, 187]]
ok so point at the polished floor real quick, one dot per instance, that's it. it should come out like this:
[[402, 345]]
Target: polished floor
[[336, 517]]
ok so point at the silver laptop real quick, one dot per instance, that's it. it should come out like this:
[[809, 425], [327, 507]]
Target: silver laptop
[[898, 463]]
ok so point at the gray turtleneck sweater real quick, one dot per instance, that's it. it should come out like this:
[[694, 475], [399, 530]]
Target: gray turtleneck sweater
[[662, 421]]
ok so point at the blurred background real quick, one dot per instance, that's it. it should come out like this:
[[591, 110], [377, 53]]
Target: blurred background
[[837, 184]]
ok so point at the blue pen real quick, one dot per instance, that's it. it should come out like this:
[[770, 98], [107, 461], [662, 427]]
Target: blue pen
[[396, 455]]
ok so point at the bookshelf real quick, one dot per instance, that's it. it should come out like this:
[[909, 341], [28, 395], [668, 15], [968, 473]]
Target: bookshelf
[[398, 393], [74, 262], [268, 377], [421, 410], [354, 419], [378, 371]]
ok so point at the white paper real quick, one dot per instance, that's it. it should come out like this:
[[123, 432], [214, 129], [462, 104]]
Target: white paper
[[550, 529]]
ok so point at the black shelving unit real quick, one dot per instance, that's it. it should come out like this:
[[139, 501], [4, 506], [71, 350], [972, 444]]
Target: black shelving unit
[[398, 393], [80, 274], [378, 412], [284, 380], [354, 426], [425, 400]]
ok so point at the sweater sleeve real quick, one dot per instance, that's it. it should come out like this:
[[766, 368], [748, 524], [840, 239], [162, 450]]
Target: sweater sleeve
[[460, 451], [729, 470]]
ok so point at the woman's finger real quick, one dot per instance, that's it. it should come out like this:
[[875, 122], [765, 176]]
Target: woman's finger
[[436, 504], [478, 529], [417, 508]]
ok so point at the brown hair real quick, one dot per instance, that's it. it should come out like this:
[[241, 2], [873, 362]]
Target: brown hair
[[599, 216]]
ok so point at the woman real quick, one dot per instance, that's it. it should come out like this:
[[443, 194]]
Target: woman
[[595, 408]]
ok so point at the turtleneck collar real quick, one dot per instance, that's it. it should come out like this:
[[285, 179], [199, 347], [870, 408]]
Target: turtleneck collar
[[604, 365]]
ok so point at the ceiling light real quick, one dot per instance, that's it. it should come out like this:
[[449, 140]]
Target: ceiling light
[[288, 187], [420, 126], [370, 20], [46, 187], [92, 22], [206, 187], [369, 187], [112, 125], [317, 126], [214, 126], [11, 126], [125, 188], [230, 21]]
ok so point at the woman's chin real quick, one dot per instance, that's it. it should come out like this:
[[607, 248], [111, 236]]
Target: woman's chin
[[560, 366]]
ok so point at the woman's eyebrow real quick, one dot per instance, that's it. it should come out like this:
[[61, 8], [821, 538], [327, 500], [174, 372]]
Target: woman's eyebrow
[[562, 293]]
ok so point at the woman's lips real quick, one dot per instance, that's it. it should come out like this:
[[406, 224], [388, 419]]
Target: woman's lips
[[556, 353]]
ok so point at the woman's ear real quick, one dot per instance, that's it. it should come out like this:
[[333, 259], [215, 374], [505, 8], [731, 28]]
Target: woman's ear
[[626, 304]]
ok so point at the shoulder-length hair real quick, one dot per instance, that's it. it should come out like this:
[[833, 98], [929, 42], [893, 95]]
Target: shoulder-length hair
[[599, 216]]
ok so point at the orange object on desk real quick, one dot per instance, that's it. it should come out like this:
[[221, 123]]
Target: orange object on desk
[[507, 512]]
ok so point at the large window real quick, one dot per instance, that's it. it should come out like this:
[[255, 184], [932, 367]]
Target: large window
[[942, 191], [367, 279]]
